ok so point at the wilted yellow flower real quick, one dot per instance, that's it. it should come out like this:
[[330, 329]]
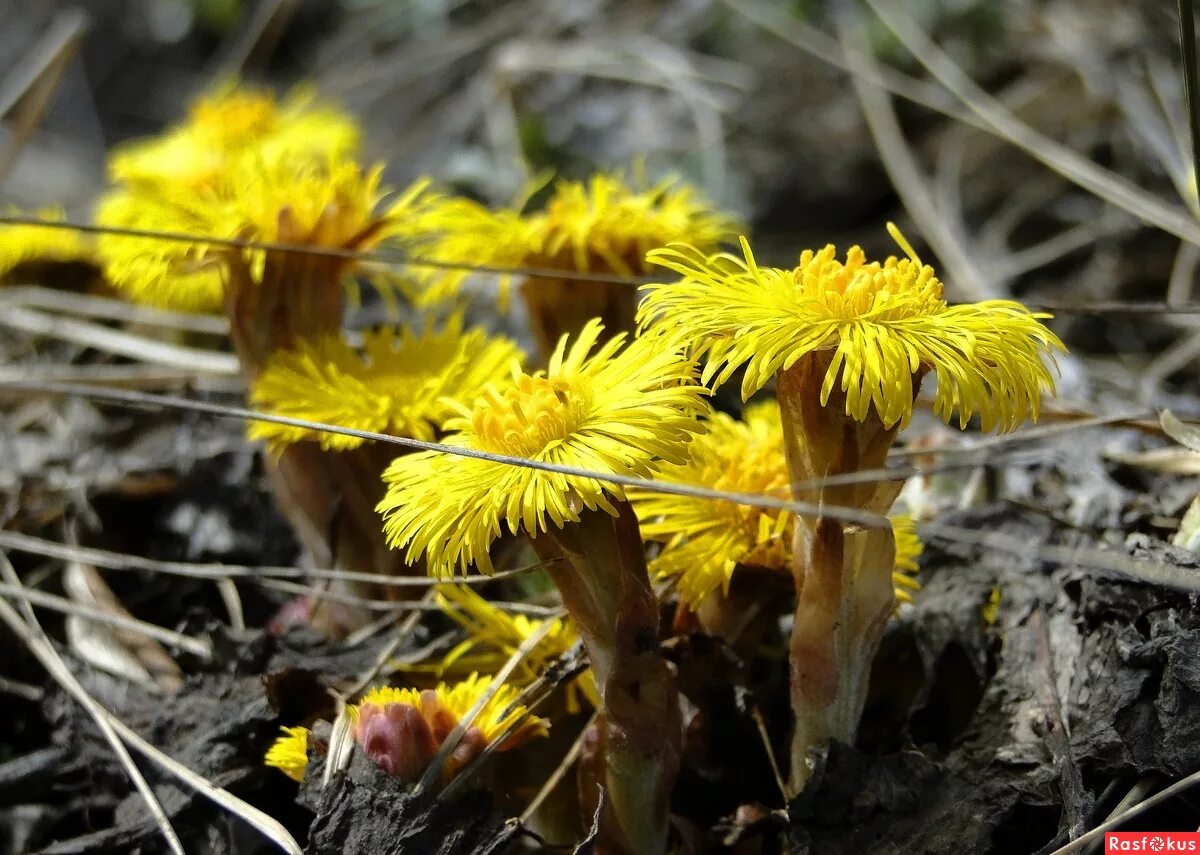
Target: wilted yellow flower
[[25, 244], [402, 729], [622, 411], [289, 753], [705, 541], [493, 635], [401, 382], [882, 325]]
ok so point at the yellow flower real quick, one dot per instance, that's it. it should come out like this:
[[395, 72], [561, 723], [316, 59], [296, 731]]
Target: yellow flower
[[23, 244], [289, 753], [329, 203], [908, 550], [227, 123], [493, 635], [621, 411], [169, 274], [882, 325], [399, 384], [606, 225], [705, 541], [402, 729]]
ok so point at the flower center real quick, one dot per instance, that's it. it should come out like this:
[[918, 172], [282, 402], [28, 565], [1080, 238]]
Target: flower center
[[857, 289], [530, 417]]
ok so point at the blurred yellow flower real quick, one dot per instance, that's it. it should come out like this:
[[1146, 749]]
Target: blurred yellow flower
[[603, 226], [705, 541], [621, 410], [228, 122], [401, 382], [882, 325], [24, 244], [289, 753], [493, 635]]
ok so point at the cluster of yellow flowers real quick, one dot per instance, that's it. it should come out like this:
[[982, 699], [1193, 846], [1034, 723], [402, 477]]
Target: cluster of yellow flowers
[[282, 214]]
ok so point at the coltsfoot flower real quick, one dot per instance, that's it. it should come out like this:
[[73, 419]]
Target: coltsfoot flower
[[625, 410], [605, 225], [883, 327], [22, 244], [289, 753], [704, 541], [493, 635], [401, 382], [402, 729], [226, 123]]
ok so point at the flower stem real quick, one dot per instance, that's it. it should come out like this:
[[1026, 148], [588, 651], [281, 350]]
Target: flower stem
[[606, 589], [843, 575]]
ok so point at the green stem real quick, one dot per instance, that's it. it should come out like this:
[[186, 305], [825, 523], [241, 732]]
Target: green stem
[[606, 589]]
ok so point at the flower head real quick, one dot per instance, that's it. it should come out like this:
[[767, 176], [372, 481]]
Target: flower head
[[289, 753], [704, 542], [24, 244], [401, 383], [402, 729], [606, 224], [618, 410], [883, 325], [227, 123], [493, 635]]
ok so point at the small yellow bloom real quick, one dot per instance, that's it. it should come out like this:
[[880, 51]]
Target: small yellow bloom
[[401, 383], [705, 541], [622, 411], [493, 635], [883, 325], [24, 244], [402, 729], [606, 224], [289, 753]]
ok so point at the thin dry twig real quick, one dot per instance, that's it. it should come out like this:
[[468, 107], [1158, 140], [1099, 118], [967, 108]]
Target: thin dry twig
[[91, 305], [141, 399]]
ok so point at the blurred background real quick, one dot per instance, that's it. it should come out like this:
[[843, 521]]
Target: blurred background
[[816, 120]]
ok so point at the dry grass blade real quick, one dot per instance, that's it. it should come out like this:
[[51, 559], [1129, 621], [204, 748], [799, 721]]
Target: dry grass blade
[[90, 305], [1186, 435], [455, 736], [121, 561], [1097, 833], [31, 633], [901, 166], [1075, 168], [141, 399], [385, 655], [560, 772], [119, 342], [133, 655], [33, 83], [1091, 560], [1191, 82], [194, 646], [395, 606]]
